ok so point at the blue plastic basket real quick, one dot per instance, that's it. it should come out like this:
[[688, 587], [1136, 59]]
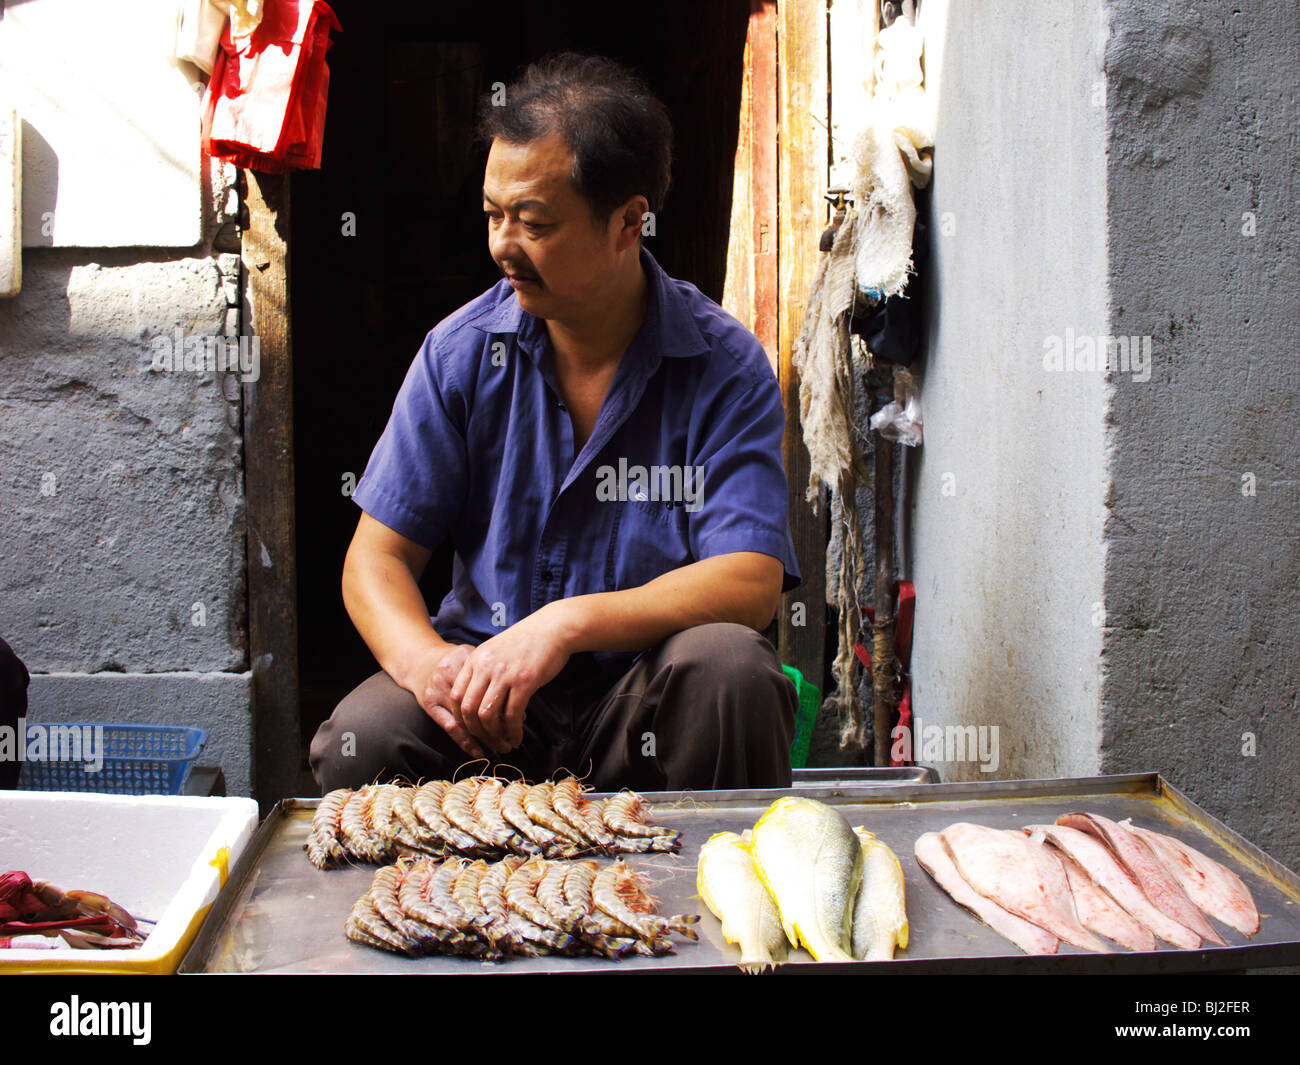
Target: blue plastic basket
[[138, 760]]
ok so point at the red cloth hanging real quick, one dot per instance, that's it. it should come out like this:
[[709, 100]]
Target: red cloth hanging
[[904, 612], [264, 107]]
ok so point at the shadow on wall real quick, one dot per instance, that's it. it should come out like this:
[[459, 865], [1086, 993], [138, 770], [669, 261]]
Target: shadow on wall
[[40, 187]]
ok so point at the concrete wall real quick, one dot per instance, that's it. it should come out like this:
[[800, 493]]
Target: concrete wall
[[123, 531], [1106, 562], [1201, 659], [92, 82], [1010, 485], [121, 486]]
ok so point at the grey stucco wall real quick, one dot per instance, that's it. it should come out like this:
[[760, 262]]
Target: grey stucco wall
[[1112, 575], [1008, 496], [121, 489], [1201, 658], [218, 702]]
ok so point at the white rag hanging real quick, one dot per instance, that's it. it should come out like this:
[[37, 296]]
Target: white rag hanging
[[823, 360], [199, 25], [899, 87], [829, 367], [890, 155]]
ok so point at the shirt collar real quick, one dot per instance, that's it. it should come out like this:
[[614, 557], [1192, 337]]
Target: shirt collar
[[668, 318]]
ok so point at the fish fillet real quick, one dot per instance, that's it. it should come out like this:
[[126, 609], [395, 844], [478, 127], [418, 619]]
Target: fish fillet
[[1097, 910], [1213, 887], [1136, 855], [879, 911], [933, 857], [1025, 879], [730, 886], [809, 859], [1100, 863]]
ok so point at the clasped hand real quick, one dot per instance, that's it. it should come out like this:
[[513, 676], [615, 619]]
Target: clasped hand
[[478, 695]]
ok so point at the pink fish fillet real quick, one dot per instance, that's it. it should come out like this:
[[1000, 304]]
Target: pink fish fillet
[[1102, 914], [1005, 867], [1096, 859], [934, 858], [1157, 883], [1213, 887]]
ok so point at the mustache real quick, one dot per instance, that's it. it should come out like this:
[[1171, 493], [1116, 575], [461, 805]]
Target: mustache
[[526, 275]]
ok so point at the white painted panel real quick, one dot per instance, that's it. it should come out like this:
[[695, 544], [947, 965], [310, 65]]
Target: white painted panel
[[11, 191], [110, 126]]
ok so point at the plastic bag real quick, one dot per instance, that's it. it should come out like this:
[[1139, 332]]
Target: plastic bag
[[900, 419], [264, 107]]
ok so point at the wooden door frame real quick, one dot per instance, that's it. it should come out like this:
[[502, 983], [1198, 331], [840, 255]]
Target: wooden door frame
[[778, 212], [785, 141], [270, 503], [802, 213]]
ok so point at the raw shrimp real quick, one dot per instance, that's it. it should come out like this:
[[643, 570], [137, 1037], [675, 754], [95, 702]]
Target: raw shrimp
[[323, 845]]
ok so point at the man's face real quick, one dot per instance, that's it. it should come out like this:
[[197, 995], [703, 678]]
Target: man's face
[[540, 231]]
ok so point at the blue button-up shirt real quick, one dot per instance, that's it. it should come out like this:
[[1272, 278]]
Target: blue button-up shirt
[[684, 462]]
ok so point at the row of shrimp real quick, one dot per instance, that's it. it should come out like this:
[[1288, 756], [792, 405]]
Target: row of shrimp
[[514, 907], [481, 817]]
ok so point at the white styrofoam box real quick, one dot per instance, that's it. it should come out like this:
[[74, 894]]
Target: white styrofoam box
[[151, 854]]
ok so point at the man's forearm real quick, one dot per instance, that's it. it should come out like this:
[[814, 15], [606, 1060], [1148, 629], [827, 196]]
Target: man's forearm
[[744, 588], [384, 602]]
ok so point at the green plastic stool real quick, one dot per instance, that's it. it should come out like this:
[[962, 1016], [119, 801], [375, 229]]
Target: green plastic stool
[[810, 701]]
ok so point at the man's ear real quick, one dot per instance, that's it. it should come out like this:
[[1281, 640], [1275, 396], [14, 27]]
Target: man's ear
[[632, 220]]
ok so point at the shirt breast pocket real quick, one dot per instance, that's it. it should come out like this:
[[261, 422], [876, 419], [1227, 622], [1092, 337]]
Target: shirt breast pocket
[[650, 537]]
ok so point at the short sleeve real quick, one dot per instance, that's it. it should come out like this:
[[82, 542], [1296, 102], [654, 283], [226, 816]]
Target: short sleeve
[[415, 482], [744, 503]]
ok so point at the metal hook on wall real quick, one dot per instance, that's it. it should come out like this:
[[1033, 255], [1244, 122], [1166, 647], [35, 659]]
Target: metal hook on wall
[[840, 198]]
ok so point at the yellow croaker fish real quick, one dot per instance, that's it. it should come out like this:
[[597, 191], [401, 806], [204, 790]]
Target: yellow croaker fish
[[729, 884], [879, 911], [811, 862]]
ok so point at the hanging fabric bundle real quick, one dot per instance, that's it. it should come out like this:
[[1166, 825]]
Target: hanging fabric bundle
[[829, 366], [264, 107], [871, 255]]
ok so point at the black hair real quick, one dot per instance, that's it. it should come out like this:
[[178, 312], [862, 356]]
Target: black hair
[[618, 131]]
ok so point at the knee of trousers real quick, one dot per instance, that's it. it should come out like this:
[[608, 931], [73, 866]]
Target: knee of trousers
[[730, 654], [725, 708], [352, 747], [738, 667]]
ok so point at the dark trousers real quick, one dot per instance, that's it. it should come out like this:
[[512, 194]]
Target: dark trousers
[[707, 708]]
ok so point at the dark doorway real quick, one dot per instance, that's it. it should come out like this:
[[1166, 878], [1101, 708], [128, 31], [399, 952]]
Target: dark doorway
[[388, 238]]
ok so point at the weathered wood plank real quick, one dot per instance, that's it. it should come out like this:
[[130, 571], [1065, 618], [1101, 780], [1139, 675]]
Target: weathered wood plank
[[763, 170], [269, 491], [751, 285], [738, 286], [802, 214]]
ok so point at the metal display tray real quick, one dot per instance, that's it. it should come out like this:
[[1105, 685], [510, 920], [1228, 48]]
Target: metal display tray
[[279, 914], [866, 776]]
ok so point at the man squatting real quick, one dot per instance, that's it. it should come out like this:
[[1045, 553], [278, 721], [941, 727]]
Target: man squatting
[[614, 638]]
